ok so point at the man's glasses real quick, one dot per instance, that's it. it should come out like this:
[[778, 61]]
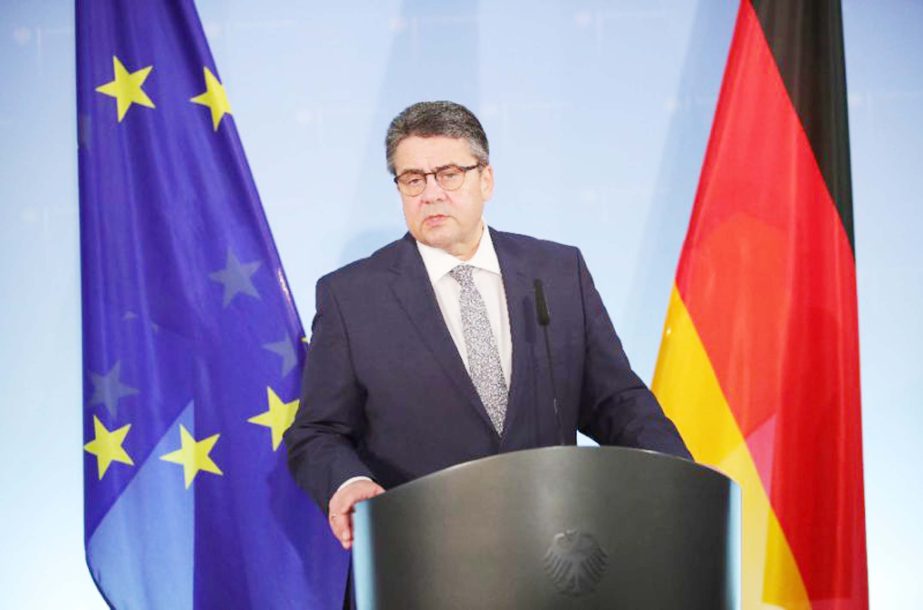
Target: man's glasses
[[450, 178]]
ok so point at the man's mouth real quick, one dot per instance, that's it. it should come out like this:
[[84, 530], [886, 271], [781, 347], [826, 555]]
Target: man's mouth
[[434, 219]]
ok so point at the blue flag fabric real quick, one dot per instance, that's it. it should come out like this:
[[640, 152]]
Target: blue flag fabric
[[192, 345]]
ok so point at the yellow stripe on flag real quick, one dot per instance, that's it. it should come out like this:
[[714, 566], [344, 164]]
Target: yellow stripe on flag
[[687, 388]]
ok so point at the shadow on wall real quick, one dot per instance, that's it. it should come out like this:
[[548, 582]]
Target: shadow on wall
[[367, 242], [677, 180]]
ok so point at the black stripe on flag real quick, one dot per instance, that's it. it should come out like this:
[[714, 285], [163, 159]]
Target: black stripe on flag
[[806, 38]]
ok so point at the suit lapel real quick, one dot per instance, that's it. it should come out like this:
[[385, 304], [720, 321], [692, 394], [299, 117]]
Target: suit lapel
[[520, 304], [413, 290]]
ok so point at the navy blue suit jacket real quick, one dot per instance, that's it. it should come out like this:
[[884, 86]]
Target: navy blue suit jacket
[[386, 395]]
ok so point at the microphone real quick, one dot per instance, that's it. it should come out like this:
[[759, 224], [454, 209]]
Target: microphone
[[544, 319]]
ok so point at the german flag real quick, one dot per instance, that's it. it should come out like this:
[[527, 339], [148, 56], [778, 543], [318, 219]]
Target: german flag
[[759, 365]]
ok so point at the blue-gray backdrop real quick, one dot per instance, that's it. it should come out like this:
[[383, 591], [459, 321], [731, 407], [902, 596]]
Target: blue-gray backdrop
[[598, 115]]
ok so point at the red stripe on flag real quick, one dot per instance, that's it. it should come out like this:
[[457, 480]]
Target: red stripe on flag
[[768, 277]]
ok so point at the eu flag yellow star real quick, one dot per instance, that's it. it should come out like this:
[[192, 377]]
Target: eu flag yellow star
[[193, 455], [107, 446], [215, 97], [278, 418], [126, 87]]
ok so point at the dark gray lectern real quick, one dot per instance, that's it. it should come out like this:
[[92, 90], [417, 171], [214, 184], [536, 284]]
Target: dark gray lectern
[[556, 528]]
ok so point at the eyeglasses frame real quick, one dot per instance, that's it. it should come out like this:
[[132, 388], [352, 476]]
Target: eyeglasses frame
[[434, 174]]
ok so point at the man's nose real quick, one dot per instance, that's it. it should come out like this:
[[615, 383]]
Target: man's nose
[[432, 191]]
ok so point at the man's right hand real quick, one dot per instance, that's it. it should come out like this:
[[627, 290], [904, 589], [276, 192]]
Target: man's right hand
[[342, 505]]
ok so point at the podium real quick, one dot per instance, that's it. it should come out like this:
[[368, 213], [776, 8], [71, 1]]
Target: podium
[[556, 528]]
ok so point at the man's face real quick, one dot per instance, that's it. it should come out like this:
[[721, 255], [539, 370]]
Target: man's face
[[448, 220]]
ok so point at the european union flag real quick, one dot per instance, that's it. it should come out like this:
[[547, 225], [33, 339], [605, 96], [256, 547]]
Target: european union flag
[[191, 341]]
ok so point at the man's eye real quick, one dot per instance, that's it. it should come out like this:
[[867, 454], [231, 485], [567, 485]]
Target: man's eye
[[449, 174], [412, 180]]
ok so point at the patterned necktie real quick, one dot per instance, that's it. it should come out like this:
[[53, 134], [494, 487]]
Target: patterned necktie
[[483, 356]]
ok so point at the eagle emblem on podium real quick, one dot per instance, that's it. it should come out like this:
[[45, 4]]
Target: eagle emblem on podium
[[575, 562]]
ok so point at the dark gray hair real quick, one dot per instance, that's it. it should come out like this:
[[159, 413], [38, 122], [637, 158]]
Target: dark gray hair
[[426, 119]]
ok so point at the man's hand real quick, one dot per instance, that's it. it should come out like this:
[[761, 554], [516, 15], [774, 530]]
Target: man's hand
[[340, 509]]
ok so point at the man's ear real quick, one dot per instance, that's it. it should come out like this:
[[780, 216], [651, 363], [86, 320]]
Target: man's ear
[[487, 182]]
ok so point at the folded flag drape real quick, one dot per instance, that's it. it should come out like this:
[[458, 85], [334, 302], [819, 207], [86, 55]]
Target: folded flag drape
[[192, 345], [759, 361]]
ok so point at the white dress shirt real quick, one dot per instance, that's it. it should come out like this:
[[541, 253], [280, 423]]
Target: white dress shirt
[[489, 283]]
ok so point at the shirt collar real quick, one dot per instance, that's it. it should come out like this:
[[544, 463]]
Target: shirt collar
[[439, 262]]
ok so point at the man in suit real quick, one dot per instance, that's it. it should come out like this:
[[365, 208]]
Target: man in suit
[[429, 353]]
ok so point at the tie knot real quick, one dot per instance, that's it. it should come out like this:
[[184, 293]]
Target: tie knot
[[463, 275]]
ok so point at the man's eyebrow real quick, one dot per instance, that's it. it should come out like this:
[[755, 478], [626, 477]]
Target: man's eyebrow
[[414, 170]]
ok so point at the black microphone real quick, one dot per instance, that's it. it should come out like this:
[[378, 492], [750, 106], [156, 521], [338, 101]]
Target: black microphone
[[544, 319]]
